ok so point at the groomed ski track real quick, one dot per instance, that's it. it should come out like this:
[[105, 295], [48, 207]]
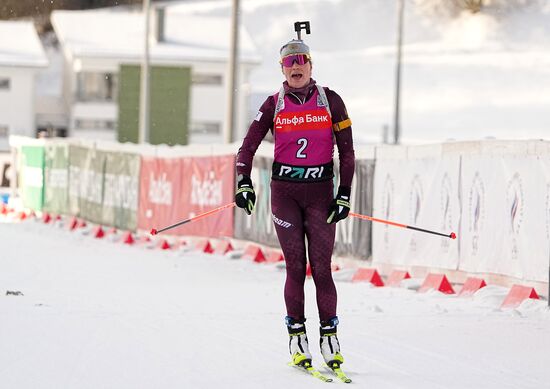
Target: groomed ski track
[[99, 314]]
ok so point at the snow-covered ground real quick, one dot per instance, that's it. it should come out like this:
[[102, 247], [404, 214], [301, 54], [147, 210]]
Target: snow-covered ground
[[98, 314]]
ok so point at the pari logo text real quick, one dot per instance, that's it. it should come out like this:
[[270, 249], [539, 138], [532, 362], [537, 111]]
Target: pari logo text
[[301, 172]]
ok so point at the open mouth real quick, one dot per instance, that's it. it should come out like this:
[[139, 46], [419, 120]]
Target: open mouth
[[296, 76]]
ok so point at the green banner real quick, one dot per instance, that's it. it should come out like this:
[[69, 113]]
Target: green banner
[[120, 200], [32, 177], [56, 178], [86, 171]]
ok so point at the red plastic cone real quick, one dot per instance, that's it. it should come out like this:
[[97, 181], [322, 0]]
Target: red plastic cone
[[517, 294], [72, 223], [396, 277], [438, 282], [275, 256], [471, 286], [223, 247], [127, 238], [164, 245], [254, 253], [204, 246], [368, 275], [98, 232]]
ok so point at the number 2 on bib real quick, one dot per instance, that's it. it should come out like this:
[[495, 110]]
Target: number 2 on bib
[[303, 144]]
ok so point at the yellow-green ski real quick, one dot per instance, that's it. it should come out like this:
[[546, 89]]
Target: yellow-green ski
[[306, 366], [335, 367]]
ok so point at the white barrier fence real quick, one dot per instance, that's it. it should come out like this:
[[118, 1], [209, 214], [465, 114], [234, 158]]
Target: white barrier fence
[[494, 194]]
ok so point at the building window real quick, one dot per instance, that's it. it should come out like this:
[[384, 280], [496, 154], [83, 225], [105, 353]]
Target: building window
[[4, 83], [96, 86], [206, 79], [51, 132], [92, 124], [206, 128]]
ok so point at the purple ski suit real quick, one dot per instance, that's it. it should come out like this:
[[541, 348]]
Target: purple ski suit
[[304, 130]]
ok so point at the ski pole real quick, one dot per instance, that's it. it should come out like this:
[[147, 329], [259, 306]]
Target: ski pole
[[192, 219], [452, 235]]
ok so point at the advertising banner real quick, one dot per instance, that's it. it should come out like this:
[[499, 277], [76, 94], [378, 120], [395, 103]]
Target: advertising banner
[[161, 187], [86, 173], [56, 178], [211, 181], [505, 215], [32, 176], [120, 199], [353, 236], [420, 192], [176, 189]]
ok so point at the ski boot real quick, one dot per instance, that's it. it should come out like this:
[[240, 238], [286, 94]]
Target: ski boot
[[298, 344], [330, 347]]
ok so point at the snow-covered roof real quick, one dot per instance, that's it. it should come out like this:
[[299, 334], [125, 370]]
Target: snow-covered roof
[[119, 32], [20, 45]]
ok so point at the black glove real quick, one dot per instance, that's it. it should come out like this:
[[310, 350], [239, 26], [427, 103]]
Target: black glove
[[339, 207], [245, 197]]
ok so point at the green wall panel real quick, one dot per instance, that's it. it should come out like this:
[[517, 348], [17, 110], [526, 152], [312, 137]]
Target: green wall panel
[[128, 103], [170, 89], [170, 96]]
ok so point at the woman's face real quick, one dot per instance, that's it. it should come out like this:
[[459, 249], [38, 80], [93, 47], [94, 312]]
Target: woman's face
[[298, 76]]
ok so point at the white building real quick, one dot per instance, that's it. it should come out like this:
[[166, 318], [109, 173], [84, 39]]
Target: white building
[[96, 42], [21, 57]]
